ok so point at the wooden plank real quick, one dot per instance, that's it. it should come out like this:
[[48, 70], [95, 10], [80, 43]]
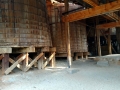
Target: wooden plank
[[5, 63], [48, 60], [35, 60], [69, 57], [15, 64], [12, 61], [91, 12], [109, 25], [5, 50]]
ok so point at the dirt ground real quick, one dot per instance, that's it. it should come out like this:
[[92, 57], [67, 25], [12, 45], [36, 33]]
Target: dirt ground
[[82, 76]]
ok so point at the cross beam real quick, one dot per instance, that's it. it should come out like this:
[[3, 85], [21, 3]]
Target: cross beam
[[110, 16]]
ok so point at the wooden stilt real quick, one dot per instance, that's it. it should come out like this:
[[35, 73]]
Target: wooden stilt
[[5, 63], [68, 37], [25, 62], [98, 42], [109, 41], [40, 62], [20, 59], [53, 61]]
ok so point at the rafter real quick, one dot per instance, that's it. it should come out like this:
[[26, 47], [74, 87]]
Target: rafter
[[108, 25], [91, 12]]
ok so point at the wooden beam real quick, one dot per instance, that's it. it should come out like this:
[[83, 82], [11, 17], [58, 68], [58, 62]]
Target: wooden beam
[[15, 64], [48, 60], [110, 16], [69, 57], [5, 50], [108, 25], [5, 63], [24, 50], [52, 63], [91, 12], [12, 62], [90, 2], [107, 41], [34, 61]]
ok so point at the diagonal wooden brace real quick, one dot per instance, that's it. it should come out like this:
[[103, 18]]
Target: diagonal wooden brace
[[34, 61], [48, 60], [12, 61], [20, 59]]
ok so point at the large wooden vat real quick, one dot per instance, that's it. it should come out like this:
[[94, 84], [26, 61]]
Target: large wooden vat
[[23, 23], [78, 37]]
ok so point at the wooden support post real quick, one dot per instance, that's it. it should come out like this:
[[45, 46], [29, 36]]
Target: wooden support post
[[40, 62], [109, 41], [53, 62], [98, 42], [5, 63], [25, 62], [68, 37]]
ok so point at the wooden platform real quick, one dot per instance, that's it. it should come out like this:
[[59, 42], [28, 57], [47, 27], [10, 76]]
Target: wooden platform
[[23, 61]]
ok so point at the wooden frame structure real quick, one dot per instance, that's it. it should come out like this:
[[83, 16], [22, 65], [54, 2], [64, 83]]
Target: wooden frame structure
[[91, 12], [24, 62]]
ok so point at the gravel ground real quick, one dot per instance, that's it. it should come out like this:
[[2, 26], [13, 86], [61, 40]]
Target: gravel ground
[[82, 76]]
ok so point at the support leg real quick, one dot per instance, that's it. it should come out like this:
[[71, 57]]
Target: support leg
[[5, 63]]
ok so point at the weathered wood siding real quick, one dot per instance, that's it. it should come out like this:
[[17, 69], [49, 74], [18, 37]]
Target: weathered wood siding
[[24, 23]]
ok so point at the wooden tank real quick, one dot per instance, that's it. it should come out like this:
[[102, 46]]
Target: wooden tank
[[23, 23], [78, 37]]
